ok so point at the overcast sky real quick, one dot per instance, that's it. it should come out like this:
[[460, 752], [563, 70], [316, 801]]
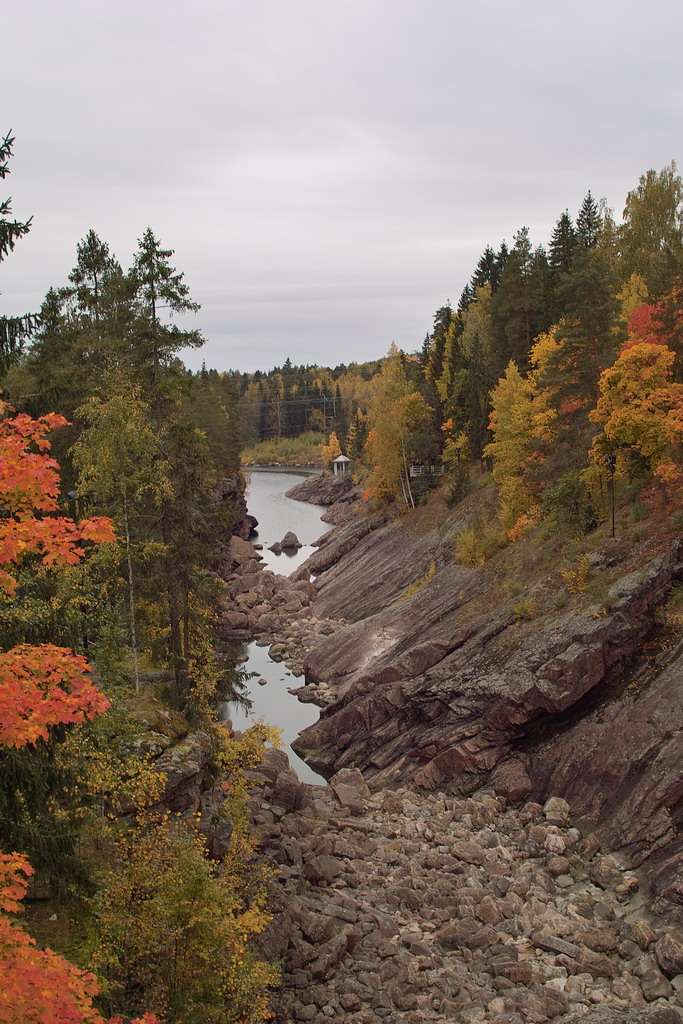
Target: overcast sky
[[327, 171]]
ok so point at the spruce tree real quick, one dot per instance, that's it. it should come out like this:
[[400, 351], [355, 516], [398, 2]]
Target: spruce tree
[[588, 223], [13, 329], [94, 266], [160, 289], [489, 269], [519, 305], [562, 245]]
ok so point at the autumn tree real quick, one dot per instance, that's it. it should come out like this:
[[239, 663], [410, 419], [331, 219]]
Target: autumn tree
[[117, 460], [640, 410], [40, 688], [331, 450], [186, 947], [522, 419], [399, 423], [652, 233]]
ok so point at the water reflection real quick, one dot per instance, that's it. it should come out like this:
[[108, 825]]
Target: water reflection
[[277, 514], [275, 705]]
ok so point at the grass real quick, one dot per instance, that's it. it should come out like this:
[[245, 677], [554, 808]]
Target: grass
[[420, 583], [287, 450], [526, 609]]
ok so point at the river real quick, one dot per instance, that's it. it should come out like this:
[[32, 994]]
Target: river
[[271, 701]]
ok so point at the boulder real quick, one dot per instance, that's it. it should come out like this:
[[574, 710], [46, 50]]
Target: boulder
[[669, 953], [511, 780], [350, 789], [290, 541], [288, 791], [240, 551], [322, 869]]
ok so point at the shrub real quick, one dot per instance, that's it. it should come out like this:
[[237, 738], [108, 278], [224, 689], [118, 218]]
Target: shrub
[[175, 935], [526, 609], [568, 502], [476, 544], [577, 579], [639, 511]]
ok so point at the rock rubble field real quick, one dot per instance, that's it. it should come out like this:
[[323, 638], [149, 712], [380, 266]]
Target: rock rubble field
[[395, 906], [460, 888]]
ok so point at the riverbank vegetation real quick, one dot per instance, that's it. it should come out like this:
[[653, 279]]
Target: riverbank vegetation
[[109, 601], [305, 450]]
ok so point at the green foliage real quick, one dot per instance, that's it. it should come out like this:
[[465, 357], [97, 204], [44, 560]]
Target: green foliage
[[175, 934], [476, 544], [652, 234], [568, 503], [300, 450], [13, 329], [639, 510]]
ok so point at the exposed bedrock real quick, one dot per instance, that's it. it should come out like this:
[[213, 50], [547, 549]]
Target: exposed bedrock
[[441, 688]]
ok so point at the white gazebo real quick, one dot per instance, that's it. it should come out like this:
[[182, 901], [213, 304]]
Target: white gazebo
[[340, 465]]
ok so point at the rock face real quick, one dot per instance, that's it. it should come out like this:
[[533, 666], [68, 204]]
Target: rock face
[[322, 490], [231, 489], [396, 906], [439, 679]]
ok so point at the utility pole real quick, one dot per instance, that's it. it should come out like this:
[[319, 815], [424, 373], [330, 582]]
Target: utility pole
[[611, 463]]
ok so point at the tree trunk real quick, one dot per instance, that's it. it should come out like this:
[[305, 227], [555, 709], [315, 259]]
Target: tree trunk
[[131, 594]]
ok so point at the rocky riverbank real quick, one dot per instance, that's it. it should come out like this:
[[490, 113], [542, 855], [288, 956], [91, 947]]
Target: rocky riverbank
[[457, 887], [444, 674], [417, 908], [275, 610]]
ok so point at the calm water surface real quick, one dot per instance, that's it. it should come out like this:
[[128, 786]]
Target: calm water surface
[[276, 515]]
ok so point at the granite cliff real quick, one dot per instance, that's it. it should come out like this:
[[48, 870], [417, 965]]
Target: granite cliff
[[549, 670]]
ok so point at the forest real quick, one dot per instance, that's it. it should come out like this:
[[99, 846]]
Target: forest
[[559, 371], [558, 365]]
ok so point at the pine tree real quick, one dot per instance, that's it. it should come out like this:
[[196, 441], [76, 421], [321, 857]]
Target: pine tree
[[13, 329]]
